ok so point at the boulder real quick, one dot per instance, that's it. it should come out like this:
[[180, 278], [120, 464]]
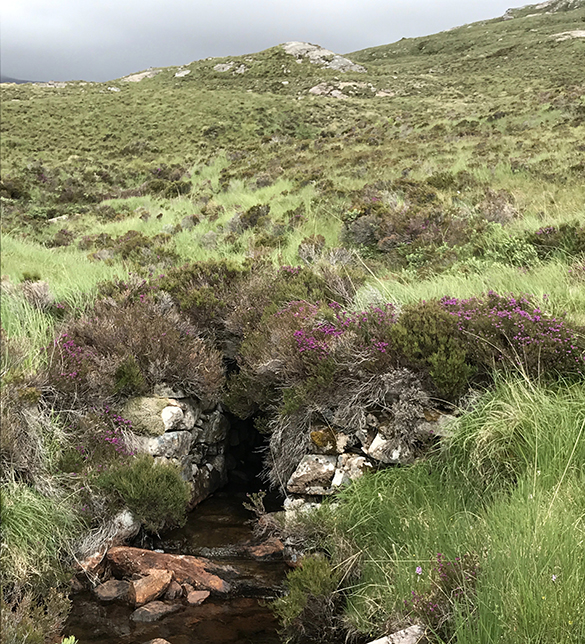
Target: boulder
[[112, 590], [201, 573], [157, 640], [148, 588], [154, 611], [145, 414], [313, 475], [197, 597]]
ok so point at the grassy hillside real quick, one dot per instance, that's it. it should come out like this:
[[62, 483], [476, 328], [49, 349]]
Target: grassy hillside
[[439, 176]]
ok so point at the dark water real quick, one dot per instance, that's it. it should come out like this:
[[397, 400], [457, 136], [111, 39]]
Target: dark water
[[215, 529]]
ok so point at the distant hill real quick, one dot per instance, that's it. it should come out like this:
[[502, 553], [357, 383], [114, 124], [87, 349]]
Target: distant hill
[[9, 79]]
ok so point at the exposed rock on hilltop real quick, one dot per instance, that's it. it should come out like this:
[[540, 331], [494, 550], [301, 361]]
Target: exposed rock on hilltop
[[550, 6], [322, 57]]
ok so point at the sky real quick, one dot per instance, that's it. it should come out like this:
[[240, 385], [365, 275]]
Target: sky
[[99, 40]]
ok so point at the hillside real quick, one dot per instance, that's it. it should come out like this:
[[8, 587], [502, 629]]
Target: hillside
[[343, 254]]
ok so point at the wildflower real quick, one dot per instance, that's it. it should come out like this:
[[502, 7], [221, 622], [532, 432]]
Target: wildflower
[[418, 570]]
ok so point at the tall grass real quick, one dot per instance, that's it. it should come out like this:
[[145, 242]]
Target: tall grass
[[505, 492], [550, 284], [36, 530]]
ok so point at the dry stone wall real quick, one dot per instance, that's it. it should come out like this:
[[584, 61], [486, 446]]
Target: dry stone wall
[[185, 431]]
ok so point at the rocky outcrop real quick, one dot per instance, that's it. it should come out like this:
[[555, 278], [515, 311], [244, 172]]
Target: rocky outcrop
[[196, 571], [321, 57]]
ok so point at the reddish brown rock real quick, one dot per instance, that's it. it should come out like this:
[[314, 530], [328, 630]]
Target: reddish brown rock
[[150, 587], [174, 591], [197, 597], [112, 590], [270, 549], [153, 611], [197, 571]]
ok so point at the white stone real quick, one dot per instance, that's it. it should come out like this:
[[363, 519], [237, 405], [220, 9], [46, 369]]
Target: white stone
[[313, 474], [183, 72], [388, 451], [322, 57], [223, 67], [169, 445], [124, 526], [171, 417], [411, 635]]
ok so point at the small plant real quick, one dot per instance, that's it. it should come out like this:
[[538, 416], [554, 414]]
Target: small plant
[[155, 493], [309, 608], [451, 587]]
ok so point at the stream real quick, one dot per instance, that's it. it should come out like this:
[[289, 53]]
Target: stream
[[215, 529]]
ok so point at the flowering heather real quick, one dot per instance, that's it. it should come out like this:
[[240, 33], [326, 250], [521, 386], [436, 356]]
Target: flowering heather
[[508, 331]]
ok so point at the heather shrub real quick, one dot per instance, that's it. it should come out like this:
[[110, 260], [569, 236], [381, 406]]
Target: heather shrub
[[34, 619], [565, 240], [155, 493], [205, 291], [127, 348], [309, 610], [427, 339], [505, 332]]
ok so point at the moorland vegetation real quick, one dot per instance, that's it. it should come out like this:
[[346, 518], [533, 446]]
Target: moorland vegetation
[[226, 228]]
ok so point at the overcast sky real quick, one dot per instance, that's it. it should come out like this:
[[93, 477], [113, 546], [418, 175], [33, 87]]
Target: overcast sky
[[105, 39]]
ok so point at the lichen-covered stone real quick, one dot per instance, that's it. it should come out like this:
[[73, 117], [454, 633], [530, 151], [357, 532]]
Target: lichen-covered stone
[[169, 444], [313, 475], [145, 415]]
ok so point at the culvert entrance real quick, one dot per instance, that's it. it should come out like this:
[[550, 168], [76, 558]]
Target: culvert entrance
[[219, 529]]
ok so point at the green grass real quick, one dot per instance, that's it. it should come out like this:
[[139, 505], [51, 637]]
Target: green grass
[[506, 492], [36, 529]]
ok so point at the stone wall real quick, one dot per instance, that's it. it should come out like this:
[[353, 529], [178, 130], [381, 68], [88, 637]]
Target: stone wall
[[175, 428]]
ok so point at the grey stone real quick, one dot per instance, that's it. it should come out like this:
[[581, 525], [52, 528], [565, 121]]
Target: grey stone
[[169, 445], [112, 590], [214, 429], [390, 451], [313, 474], [154, 611]]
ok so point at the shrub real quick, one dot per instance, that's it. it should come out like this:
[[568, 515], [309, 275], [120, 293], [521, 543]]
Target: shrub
[[34, 619], [505, 332], [127, 348], [565, 240], [309, 609], [427, 338], [155, 493]]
